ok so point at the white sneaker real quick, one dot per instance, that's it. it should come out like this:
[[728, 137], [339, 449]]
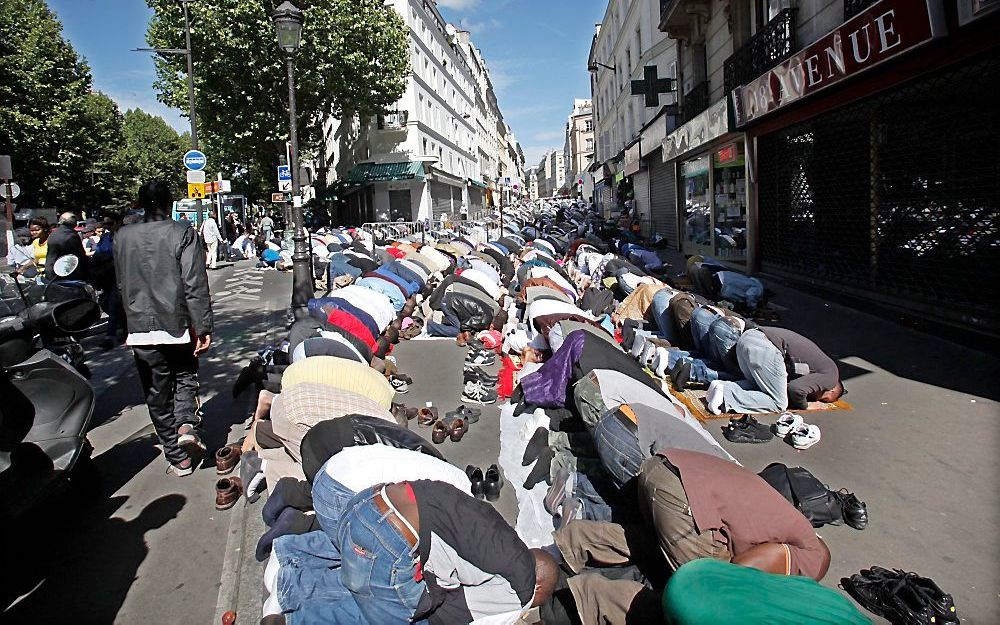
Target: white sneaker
[[805, 436], [638, 344], [787, 422], [476, 393], [660, 362], [647, 355]]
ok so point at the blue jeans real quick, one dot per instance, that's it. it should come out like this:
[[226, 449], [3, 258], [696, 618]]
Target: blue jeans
[[309, 589], [701, 322], [594, 506], [722, 339], [378, 565], [662, 316], [330, 498], [618, 447]]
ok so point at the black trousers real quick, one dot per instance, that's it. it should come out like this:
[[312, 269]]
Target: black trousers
[[169, 378]]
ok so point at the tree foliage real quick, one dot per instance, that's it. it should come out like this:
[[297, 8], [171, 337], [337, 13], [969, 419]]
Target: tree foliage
[[353, 59], [44, 91], [151, 149]]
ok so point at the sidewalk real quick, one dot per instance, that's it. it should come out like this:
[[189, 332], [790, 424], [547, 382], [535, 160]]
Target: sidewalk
[[152, 545], [920, 447]]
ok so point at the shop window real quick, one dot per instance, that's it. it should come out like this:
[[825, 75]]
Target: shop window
[[697, 206], [730, 203]]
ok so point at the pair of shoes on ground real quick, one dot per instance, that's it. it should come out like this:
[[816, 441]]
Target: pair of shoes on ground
[[796, 432], [228, 490], [480, 357], [477, 392], [901, 597], [485, 485], [400, 383], [449, 427], [789, 427]]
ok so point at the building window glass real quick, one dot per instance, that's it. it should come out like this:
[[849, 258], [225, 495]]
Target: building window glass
[[730, 202], [697, 206]]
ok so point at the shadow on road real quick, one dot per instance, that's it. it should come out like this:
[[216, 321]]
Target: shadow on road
[[83, 576]]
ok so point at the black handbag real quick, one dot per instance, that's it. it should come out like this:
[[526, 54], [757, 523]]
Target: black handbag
[[809, 495]]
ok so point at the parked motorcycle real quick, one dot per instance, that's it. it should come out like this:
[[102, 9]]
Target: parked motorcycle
[[46, 403]]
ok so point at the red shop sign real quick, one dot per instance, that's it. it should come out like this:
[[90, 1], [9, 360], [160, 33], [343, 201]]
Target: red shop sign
[[726, 154], [880, 32]]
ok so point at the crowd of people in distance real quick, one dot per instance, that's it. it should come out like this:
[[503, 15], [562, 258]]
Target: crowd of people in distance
[[649, 519]]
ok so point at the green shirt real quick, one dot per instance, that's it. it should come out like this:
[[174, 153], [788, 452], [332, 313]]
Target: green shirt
[[712, 592]]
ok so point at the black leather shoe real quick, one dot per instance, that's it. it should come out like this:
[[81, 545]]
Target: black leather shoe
[[476, 477], [492, 483], [680, 375], [855, 511]]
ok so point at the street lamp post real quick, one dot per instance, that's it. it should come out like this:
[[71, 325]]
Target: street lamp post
[[288, 20]]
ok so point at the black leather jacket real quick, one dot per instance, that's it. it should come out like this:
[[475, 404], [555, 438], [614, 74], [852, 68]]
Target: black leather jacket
[[162, 277]]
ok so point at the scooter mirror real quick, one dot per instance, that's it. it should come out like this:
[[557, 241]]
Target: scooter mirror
[[65, 265]]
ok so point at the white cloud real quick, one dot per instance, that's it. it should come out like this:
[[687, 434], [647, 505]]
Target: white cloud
[[476, 28], [458, 5]]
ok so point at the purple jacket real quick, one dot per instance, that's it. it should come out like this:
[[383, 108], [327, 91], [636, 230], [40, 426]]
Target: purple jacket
[[546, 387]]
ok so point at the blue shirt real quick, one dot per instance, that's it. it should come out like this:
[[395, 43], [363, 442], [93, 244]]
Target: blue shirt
[[388, 289]]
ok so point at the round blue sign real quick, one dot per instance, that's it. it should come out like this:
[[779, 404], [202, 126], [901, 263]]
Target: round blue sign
[[195, 160]]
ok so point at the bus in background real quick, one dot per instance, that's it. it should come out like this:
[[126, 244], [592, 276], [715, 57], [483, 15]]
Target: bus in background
[[186, 209]]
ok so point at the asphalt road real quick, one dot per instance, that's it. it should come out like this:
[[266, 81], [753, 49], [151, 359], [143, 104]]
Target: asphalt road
[[150, 547], [920, 447]]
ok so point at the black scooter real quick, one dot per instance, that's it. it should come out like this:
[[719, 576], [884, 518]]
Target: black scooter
[[45, 403]]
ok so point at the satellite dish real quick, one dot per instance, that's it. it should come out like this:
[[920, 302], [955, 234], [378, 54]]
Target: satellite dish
[[65, 265], [450, 30]]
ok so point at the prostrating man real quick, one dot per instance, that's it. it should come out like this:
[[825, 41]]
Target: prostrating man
[[699, 506], [782, 369], [160, 268]]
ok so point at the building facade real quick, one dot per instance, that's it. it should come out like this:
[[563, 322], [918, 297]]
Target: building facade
[[578, 148], [442, 151], [552, 174], [627, 48], [838, 144]]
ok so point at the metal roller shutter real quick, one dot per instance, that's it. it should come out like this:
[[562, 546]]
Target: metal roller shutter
[[640, 191], [663, 198], [440, 199]]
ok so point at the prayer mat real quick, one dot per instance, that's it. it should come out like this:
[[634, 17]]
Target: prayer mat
[[694, 399]]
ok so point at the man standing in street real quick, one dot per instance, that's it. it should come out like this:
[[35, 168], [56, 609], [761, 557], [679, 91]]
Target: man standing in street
[[267, 227], [64, 241], [210, 232], [160, 266]]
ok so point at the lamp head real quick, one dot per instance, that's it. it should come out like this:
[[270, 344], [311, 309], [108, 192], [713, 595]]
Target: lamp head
[[288, 21]]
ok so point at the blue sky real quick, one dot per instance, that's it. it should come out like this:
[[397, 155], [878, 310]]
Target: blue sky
[[536, 51]]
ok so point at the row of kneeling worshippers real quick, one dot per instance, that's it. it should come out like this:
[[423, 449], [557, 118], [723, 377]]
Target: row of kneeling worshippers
[[650, 520]]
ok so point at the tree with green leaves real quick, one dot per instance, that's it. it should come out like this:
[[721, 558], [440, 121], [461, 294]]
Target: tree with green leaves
[[353, 60], [46, 107], [151, 149]]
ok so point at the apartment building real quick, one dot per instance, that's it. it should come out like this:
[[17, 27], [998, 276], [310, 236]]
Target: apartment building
[[441, 150], [838, 144], [578, 148], [627, 49]]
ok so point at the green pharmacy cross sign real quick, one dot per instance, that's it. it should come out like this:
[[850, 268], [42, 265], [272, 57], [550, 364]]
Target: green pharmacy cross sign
[[651, 86]]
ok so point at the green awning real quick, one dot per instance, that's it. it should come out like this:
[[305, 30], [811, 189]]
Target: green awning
[[477, 183], [384, 172]]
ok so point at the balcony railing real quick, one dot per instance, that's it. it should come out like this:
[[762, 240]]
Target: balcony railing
[[695, 101], [853, 7], [773, 44], [393, 120]]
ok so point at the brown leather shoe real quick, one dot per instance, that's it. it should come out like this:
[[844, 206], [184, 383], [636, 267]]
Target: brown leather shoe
[[440, 432], [228, 491], [457, 429], [226, 458], [427, 416]]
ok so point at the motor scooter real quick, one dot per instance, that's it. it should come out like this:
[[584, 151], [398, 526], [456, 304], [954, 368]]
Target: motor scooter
[[45, 403]]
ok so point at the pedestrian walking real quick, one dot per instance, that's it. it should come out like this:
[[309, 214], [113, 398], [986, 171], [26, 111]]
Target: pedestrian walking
[[267, 227], [160, 266], [211, 234]]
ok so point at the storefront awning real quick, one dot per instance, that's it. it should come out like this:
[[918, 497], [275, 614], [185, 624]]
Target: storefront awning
[[477, 183], [384, 172]]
